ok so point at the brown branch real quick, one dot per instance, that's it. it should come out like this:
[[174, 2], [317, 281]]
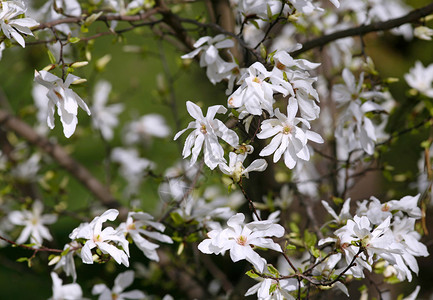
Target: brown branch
[[103, 18], [364, 29], [12, 123], [36, 250]]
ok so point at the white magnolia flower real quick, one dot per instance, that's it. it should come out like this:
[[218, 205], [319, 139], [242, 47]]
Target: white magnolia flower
[[107, 240], [34, 223], [283, 287], [378, 240], [236, 170], [67, 262], [421, 79], [344, 213], [217, 68], [67, 101], [122, 281], [151, 125], [354, 129], [132, 167], [239, 240], [71, 291], [47, 13], [11, 24], [136, 225], [104, 117], [292, 75], [27, 170], [289, 140], [209, 46], [206, 132], [256, 93]]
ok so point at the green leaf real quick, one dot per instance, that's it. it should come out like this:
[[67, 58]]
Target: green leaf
[[177, 219], [22, 259], [66, 251], [290, 247], [74, 40], [273, 288], [294, 227], [273, 271], [310, 238], [51, 57], [252, 274], [315, 251]]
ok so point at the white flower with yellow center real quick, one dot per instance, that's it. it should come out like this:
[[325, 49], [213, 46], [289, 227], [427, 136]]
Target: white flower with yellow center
[[240, 239], [288, 139], [34, 223], [236, 169], [206, 132], [106, 240]]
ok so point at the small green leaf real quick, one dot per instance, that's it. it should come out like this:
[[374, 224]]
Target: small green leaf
[[273, 271], [51, 57], [273, 288], [294, 227], [290, 247], [177, 218], [74, 39], [252, 274], [22, 259]]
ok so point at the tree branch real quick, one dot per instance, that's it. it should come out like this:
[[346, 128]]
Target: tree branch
[[12, 123], [364, 29]]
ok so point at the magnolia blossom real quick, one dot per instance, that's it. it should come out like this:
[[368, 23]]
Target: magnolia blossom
[[239, 240], [256, 93], [47, 13], [151, 125], [292, 75], [34, 223], [289, 140], [236, 170], [354, 129], [136, 225], [379, 241], [71, 291], [217, 68], [109, 241], [104, 117], [122, 281], [421, 79], [11, 24], [281, 291], [344, 213], [132, 167], [27, 170], [67, 101], [206, 132]]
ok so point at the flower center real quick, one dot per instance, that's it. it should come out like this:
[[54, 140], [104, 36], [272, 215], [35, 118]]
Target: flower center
[[385, 207], [256, 79], [131, 226], [280, 66], [203, 129], [231, 100], [97, 238], [287, 129], [242, 240]]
